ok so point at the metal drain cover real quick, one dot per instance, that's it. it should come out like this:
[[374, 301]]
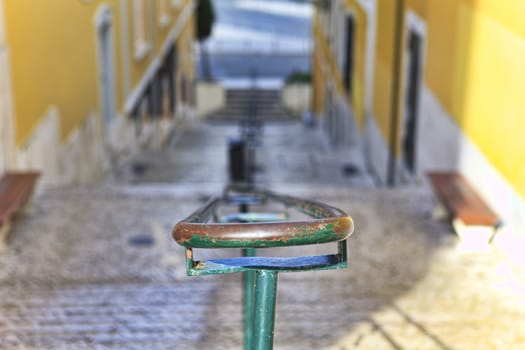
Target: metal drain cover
[[142, 241], [350, 170]]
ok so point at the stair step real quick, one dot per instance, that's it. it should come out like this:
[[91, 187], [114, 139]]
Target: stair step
[[240, 104]]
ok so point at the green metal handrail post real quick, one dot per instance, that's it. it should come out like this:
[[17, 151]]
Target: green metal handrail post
[[265, 298], [249, 302], [250, 232]]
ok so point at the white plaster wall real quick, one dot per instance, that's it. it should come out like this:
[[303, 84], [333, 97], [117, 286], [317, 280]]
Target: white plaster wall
[[42, 150], [125, 137], [297, 97], [154, 134], [347, 131], [88, 152], [82, 156], [120, 134], [438, 137], [338, 119], [376, 149], [79, 160], [210, 98]]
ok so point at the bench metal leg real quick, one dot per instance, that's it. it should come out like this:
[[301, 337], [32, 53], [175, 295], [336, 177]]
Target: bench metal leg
[[473, 238], [439, 212], [5, 227], [265, 297], [249, 302], [261, 273]]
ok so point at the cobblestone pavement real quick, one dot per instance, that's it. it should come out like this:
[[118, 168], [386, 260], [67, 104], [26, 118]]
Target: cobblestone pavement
[[288, 153], [95, 267]]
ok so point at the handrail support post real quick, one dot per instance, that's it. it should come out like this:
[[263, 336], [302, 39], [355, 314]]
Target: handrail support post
[[249, 302], [265, 300]]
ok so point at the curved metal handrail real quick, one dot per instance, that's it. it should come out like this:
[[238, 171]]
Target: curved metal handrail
[[328, 224]]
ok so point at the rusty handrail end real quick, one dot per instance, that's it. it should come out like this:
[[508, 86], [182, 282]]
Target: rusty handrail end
[[328, 224]]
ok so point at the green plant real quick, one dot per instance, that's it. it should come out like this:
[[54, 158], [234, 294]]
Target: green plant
[[204, 24], [299, 77]]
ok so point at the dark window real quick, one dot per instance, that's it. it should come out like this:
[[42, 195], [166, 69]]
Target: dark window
[[184, 89], [156, 95], [169, 70], [348, 64], [412, 100]]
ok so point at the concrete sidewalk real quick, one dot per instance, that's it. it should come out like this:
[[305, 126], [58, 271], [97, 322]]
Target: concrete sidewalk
[[95, 267]]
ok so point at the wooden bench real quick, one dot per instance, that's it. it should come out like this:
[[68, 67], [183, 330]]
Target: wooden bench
[[473, 221], [15, 191]]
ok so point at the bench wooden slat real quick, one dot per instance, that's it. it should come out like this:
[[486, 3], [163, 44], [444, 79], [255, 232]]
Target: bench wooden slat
[[15, 190], [462, 200], [7, 209]]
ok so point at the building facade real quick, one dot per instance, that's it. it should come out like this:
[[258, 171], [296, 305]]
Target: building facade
[[83, 82], [429, 85]]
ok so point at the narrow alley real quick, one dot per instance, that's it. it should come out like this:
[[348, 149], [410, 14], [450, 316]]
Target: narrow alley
[[119, 119]]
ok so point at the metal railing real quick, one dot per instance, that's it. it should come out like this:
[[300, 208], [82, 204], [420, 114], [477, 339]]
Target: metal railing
[[205, 228]]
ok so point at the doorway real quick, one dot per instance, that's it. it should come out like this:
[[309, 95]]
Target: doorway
[[168, 72], [413, 62], [348, 62]]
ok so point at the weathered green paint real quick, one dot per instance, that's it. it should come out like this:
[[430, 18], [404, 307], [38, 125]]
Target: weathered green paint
[[189, 260], [249, 302], [327, 224], [265, 298], [302, 235]]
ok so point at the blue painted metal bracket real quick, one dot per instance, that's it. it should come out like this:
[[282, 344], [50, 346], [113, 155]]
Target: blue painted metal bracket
[[249, 263]]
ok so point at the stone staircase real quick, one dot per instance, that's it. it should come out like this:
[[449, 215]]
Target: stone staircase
[[264, 104]]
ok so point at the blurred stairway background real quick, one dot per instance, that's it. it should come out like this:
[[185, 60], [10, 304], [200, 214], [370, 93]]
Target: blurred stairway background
[[255, 103]]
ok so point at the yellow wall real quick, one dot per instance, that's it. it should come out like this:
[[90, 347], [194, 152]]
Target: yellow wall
[[386, 12], [475, 51], [475, 65], [318, 85], [157, 36], [358, 84], [441, 61], [139, 65], [185, 50], [53, 61], [162, 31], [322, 65], [326, 67], [54, 57], [419, 7]]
